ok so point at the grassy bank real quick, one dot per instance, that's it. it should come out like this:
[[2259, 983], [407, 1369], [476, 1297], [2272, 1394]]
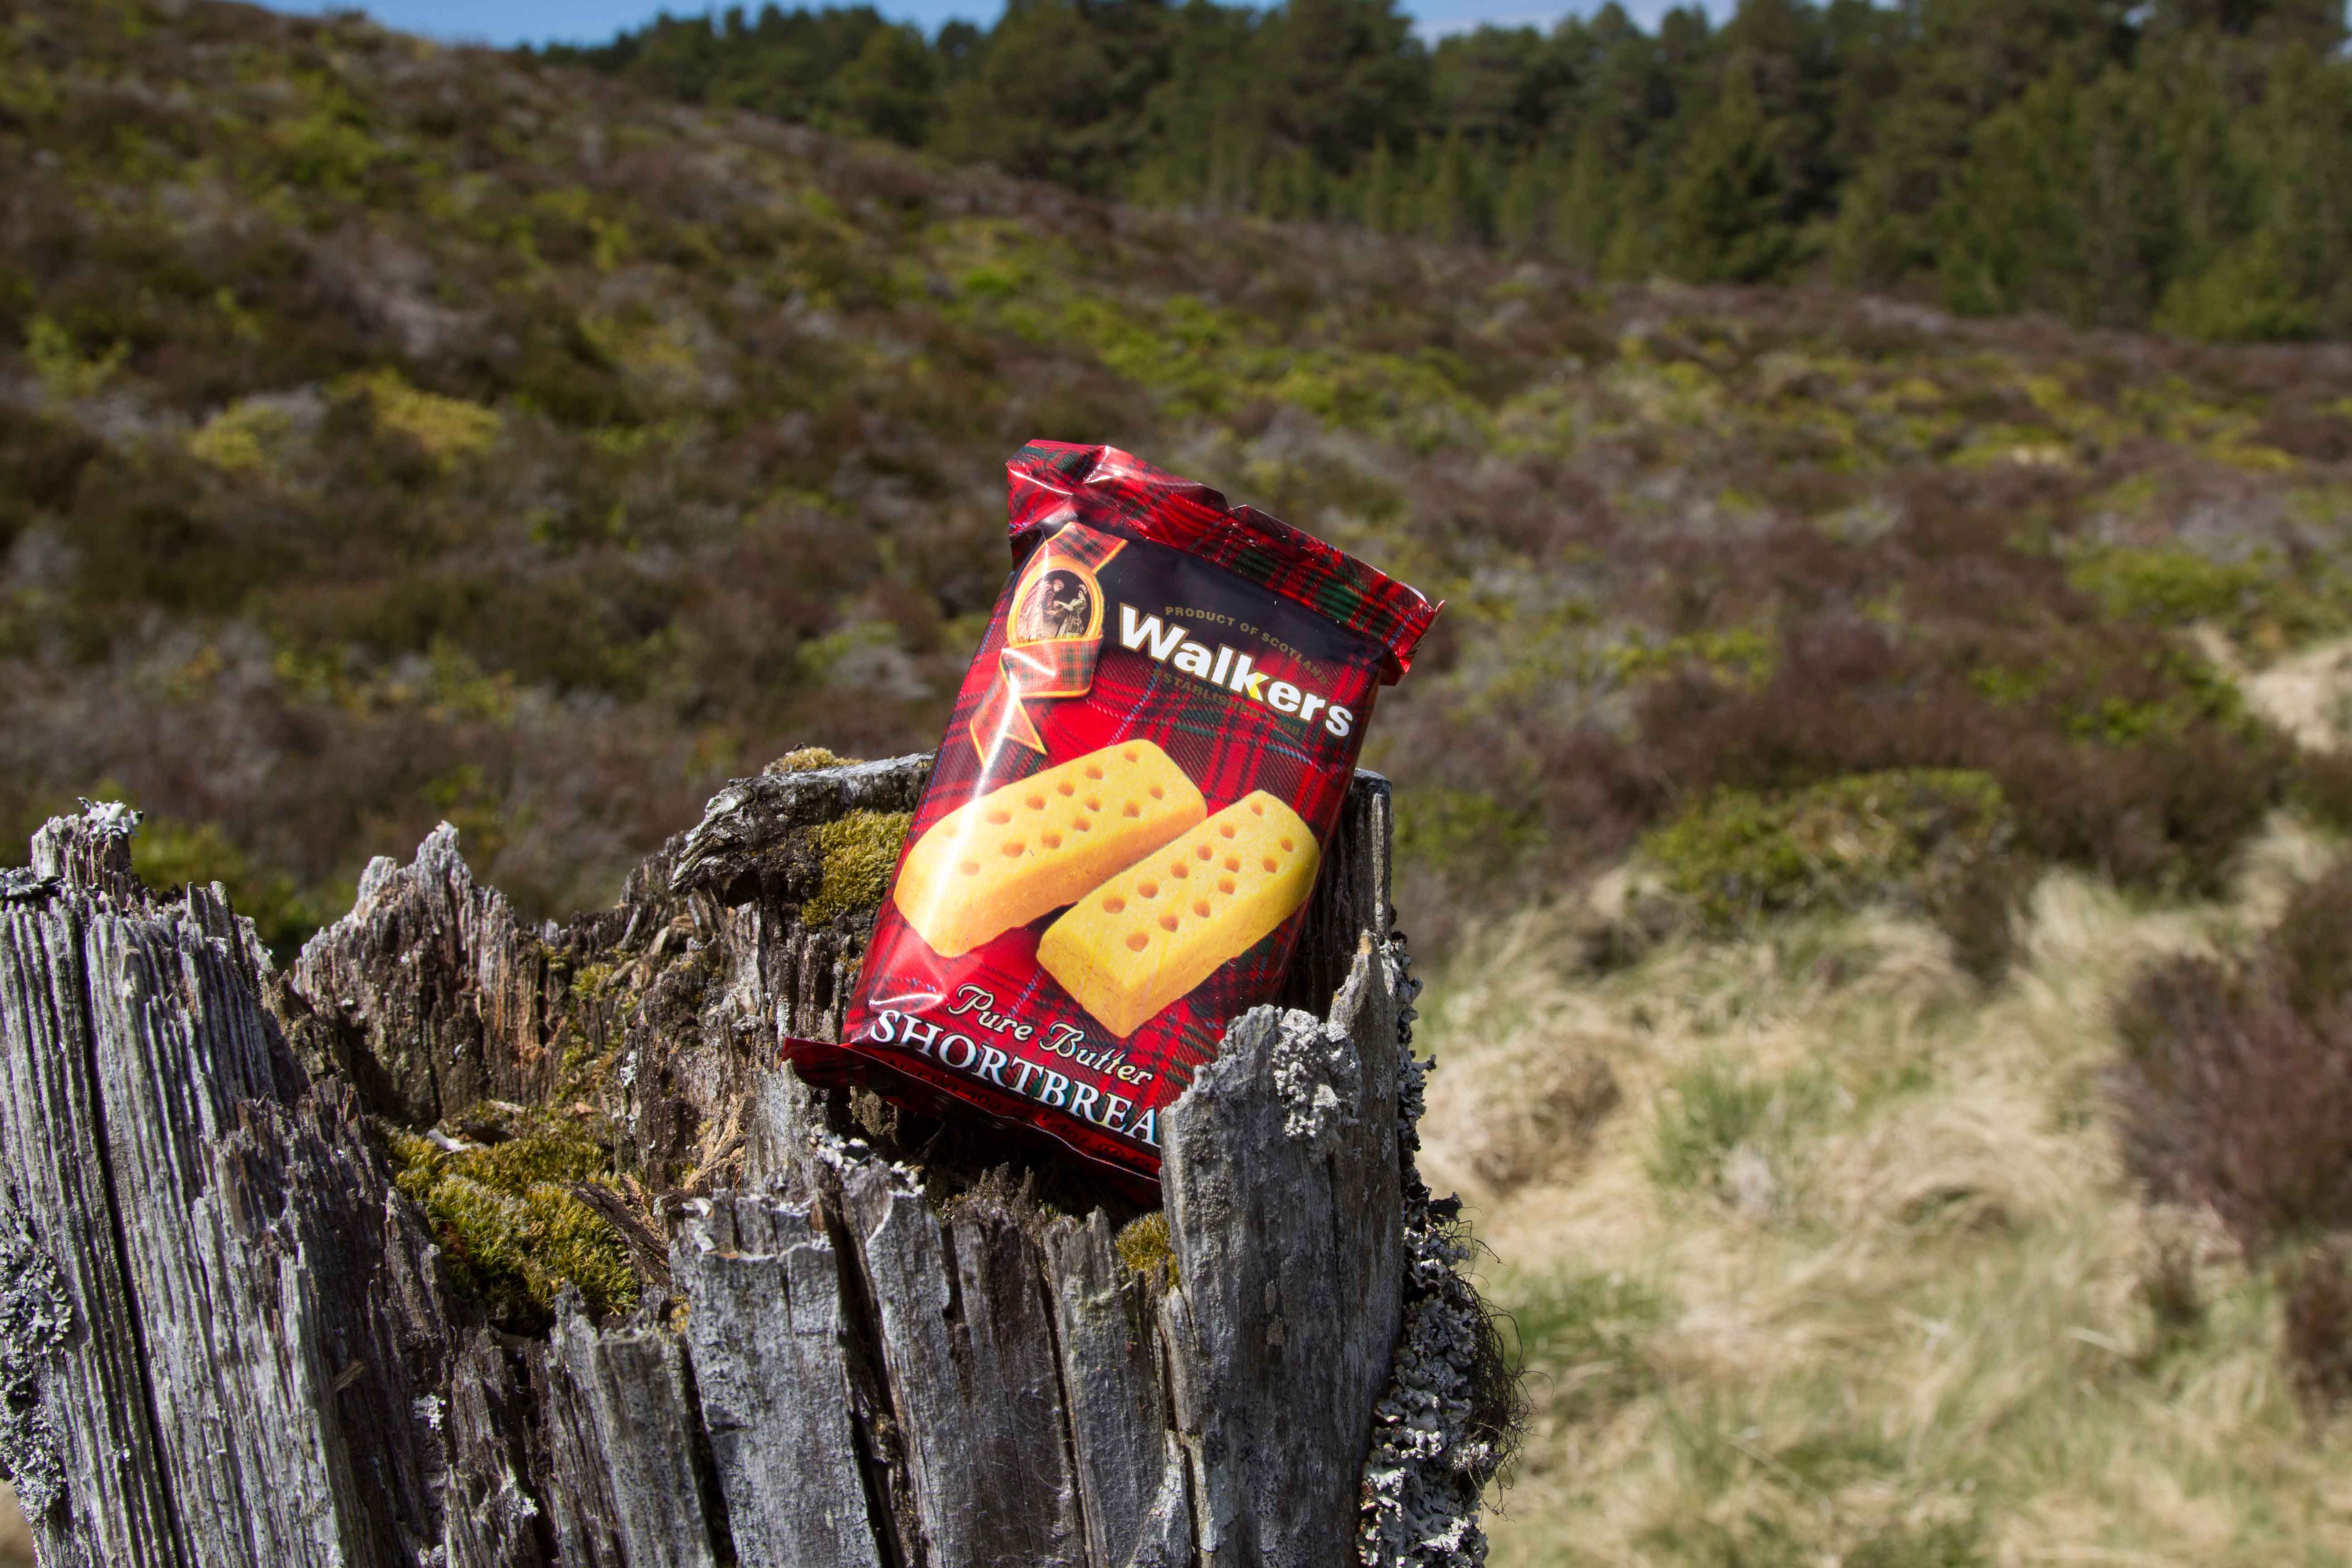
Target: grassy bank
[[1820, 1252]]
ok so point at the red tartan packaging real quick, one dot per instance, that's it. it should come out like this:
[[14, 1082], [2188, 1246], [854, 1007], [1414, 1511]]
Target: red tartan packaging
[[1119, 836]]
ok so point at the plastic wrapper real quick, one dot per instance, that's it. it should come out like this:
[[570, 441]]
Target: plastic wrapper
[[1122, 830]]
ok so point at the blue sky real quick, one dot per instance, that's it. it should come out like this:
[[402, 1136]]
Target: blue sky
[[591, 21]]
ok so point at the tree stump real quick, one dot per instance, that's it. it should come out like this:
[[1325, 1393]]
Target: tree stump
[[865, 1338]]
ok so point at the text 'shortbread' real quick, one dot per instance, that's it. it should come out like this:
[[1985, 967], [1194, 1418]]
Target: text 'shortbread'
[[1027, 848], [1160, 928]]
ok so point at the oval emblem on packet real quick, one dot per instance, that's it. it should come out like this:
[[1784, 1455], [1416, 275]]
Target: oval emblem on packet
[[1126, 818]]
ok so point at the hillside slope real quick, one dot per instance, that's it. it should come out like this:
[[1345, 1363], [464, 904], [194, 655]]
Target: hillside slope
[[390, 431]]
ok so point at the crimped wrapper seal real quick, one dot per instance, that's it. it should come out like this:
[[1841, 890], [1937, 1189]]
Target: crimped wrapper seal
[[1117, 492]]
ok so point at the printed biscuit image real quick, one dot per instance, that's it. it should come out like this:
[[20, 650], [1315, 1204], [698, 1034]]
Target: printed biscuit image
[[1030, 847], [1162, 926]]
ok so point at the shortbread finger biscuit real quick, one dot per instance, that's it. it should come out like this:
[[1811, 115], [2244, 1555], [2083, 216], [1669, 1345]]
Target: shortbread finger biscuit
[[1160, 928], [1030, 847]]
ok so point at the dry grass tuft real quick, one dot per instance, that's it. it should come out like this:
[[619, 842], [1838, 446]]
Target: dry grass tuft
[[1542, 1075], [16, 1535], [2306, 695], [1853, 1270]]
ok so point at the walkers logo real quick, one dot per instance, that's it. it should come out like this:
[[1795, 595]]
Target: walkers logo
[[1168, 644]]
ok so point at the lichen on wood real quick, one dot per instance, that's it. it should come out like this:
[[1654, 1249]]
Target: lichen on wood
[[1453, 1408], [36, 1321]]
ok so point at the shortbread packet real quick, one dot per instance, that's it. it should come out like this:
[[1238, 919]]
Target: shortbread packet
[[1126, 818]]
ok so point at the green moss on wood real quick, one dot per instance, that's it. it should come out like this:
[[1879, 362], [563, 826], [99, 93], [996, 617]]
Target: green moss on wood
[[858, 852], [588, 980], [805, 760], [1145, 1246], [509, 1224]]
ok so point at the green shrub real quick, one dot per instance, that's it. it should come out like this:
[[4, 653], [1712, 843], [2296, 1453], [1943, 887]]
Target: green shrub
[[64, 372], [2246, 296], [1935, 841], [169, 854], [325, 152], [2114, 747], [1445, 827], [2169, 587], [447, 430], [242, 439], [2260, 599]]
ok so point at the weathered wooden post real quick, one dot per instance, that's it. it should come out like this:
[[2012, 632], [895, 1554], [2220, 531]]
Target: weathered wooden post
[[226, 1338]]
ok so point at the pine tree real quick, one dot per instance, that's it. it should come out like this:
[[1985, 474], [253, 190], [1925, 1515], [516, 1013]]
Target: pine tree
[[1457, 205], [1959, 63], [2065, 204], [1726, 211], [889, 89], [1377, 191], [1338, 77], [2302, 152], [1059, 93], [1524, 211], [1585, 216]]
